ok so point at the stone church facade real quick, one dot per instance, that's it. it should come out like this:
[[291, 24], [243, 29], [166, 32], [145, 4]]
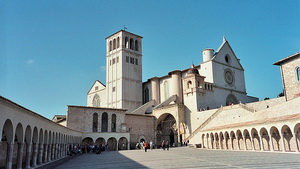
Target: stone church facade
[[205, 105]]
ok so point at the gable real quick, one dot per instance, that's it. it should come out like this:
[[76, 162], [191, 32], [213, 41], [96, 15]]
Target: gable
[[225, 55], [97, 86]]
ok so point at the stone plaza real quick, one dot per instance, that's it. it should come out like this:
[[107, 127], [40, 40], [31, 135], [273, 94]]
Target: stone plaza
[[180, 157]]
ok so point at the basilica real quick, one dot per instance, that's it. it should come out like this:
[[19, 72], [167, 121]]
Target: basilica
[[205, 105]]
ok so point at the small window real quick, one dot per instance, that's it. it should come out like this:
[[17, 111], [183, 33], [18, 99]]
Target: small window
[[189, 84], [114, 61], [136, 61], [127, 59], [227, 59], [114, 44], [96, 88], [110, 45], [131, 60], [109, 62], [126, 42], [114, 89], [117, 59], [118, 42], [298, 73], [136, 45]]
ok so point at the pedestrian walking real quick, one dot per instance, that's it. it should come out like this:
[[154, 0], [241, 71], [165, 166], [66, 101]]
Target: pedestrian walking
[[145, 146], [163, 145]]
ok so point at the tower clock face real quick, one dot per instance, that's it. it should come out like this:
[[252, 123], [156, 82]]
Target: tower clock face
[[229, 77]]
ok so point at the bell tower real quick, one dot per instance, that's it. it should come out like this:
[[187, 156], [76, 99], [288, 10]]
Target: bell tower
[[124, 70]]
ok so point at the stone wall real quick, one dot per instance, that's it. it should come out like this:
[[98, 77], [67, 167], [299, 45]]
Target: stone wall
[[291, 83], [140, 126], [80, 118]]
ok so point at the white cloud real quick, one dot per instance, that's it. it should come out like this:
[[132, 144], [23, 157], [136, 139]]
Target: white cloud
[[103, 68], [29, 62]]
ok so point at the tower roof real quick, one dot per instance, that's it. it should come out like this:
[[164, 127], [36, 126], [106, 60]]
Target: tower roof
[[193, 70], [124, 31]]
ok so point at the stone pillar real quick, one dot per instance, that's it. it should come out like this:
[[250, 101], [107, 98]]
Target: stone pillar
[[45, 156], [283, 145], [35, 154], [9, 155], [296, 143], [117, 148], [245, 143], [52, 151], [252, 143], [261, 144], [271, 144], [238, 143], [49, 152], [231, 143], [20, 154], [40, 153], [28, 155], [55, 151]]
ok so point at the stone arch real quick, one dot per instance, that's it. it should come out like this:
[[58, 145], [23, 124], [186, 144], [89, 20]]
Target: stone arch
[[131, 44], [240, 140], [212, 141], [233, 140], [35, 135], [227, 140], [255, 139], [231, 99], [123, 143], [287, 137], [166, 129], [7, 131], [222, 140], [247, 139], [265, 139], [275, 138], [100, 141], [217, 141], [112, 144], [87, 141], [104, 124], [19, 136], [41, 136], [189, 84]]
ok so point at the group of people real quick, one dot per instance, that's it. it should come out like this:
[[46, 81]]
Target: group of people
[[78, 149], [165, 145], [143, 145]]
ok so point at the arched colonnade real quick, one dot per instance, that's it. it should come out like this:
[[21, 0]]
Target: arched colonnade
[[285, 138], [26, 145], [110, 143]]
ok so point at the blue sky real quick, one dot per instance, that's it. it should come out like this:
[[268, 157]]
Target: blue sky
[[51, 52]]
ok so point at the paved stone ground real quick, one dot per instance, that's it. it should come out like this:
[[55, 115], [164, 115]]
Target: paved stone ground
[[182, 157]]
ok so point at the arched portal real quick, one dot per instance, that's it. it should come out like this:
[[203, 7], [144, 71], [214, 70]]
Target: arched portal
[[87, 141], [123, 142], [112, 144], [166, 129], [100, 141]]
